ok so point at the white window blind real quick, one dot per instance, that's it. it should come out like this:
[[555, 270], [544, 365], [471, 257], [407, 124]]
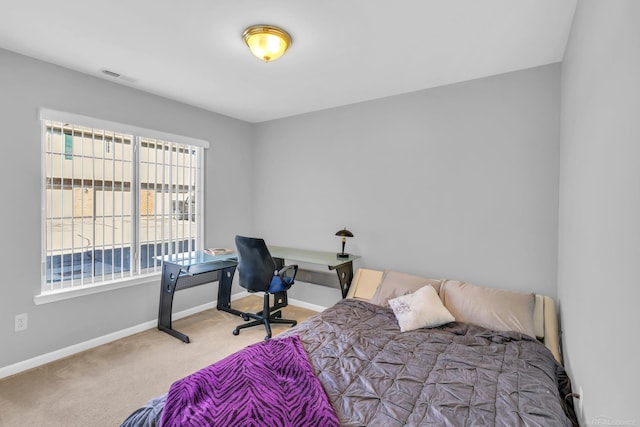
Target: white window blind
[[116, 199]]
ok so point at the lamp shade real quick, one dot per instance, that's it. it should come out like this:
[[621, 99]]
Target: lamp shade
[[266, 42], [344, 233]]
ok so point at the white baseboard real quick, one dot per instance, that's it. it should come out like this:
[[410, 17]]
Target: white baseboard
[[296, 302], [307, 305], [43, 359]]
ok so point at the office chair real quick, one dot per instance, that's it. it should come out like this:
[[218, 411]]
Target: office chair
[[257, 273]]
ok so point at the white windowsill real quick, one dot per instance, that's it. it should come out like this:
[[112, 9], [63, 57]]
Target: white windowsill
[[64, 294]]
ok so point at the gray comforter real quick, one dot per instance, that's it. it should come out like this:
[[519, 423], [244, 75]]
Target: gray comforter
[[454, 375]]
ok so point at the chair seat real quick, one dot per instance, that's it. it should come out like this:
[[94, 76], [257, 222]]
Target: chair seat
[[277, 285]]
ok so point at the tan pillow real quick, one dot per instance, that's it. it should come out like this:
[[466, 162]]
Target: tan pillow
[[421, 309], [495, 309], [364, 284], [395, 284]]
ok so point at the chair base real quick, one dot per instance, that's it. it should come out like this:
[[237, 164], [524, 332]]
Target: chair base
[[261, 319]]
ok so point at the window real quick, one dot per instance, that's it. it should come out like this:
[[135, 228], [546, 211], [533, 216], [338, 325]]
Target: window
[[116, 199]]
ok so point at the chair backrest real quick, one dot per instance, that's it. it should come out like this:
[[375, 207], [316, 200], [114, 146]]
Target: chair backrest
[[255, 264]]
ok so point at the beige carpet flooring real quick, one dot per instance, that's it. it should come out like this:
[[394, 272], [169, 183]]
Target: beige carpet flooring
[[102, 386]]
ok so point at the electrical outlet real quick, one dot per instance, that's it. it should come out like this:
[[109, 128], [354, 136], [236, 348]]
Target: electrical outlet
[[21, 322]]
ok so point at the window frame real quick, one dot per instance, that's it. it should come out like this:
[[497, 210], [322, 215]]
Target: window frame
[[138, 133]]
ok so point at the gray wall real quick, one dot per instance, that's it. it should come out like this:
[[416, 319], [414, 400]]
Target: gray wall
[[599, 239], [459, 181], [25, 85]]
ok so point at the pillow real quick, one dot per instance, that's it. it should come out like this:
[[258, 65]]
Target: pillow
[[421, 309], [495, 309], [364, 284], [395, 284]]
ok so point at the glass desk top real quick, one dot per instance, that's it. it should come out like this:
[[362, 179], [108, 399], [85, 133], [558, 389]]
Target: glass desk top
[[329, 259], [193, 262], [196, 262], [195, 257]]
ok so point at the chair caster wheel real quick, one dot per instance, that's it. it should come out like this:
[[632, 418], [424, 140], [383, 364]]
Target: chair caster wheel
[[294, 323], [267, 338], [236, 332], [245, 317]]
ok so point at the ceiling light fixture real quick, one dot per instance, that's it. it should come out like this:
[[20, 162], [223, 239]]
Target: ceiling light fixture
[[266, 42]]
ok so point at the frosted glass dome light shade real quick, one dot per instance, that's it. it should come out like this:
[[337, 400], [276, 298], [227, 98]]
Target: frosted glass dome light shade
[[266, 42]]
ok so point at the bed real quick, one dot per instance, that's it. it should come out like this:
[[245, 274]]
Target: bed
[[485, 357]]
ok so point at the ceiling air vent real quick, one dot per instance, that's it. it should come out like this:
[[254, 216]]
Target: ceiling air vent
[[110, 73]]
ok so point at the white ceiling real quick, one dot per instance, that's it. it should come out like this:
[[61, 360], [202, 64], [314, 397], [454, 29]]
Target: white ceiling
[[343, 51]]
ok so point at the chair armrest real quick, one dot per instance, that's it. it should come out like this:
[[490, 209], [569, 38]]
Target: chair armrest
[[288, 272]]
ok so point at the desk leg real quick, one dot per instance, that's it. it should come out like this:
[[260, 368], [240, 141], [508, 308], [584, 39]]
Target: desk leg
[[170, 274], [224, 291], [345, 276]]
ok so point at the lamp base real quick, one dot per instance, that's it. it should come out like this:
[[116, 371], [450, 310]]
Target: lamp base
[[342, 255]]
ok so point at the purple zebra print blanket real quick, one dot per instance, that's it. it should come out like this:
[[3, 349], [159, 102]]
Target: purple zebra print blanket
[[271, 383]]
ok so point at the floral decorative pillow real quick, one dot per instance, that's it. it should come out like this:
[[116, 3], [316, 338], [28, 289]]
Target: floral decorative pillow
[[421, 309]]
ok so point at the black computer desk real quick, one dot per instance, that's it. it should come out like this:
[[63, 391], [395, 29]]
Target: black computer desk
[[186, 270]]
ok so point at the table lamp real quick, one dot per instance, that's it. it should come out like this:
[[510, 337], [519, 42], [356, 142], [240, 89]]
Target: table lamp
[[344, 233]]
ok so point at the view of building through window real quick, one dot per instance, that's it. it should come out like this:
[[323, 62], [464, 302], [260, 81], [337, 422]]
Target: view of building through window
[[114, 204]]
